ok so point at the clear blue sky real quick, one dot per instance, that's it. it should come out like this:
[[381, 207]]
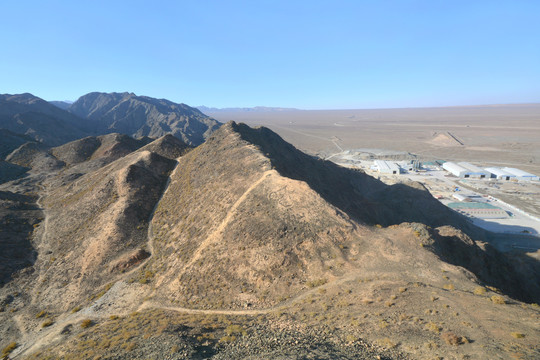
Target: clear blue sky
[[305, 54]]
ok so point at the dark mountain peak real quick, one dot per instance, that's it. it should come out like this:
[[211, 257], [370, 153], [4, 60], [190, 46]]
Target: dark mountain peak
[[144, 116], [24, 98], [42, 121]]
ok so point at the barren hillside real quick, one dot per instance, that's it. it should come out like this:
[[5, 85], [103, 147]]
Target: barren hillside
[[244, 247]]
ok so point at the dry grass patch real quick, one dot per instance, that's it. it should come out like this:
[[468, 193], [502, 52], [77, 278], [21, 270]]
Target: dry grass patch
[[497, 299], [8, 349], [86, 323], [434, 328], [517, 335], [452, 339], [386, 343], [480, 290]]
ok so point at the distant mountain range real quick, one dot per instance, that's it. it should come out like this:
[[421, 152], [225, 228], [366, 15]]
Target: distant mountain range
[[138, 116], [58, 122], [206, 109], [62, 104]]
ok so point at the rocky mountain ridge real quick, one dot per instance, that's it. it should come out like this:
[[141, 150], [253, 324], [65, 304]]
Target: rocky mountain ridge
[[139, 116], [244, 247]]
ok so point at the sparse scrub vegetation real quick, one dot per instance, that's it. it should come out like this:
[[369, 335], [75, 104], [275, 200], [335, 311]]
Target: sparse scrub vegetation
[[86, 323], [47, 323], [480, 290], [449, 287], [41, 314], [235, 330], [386, 343], [9, 349], [452, 339], [497, 299], [316, 283], [517, 335], [433, 327]]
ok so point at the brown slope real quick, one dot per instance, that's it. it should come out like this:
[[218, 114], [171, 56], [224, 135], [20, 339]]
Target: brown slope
[[167, 146], [107, 147], [94, 222], [35, 156], [247, 208]]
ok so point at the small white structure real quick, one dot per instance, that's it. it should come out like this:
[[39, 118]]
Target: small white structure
[[474, 171], [460, 197], [387, 167], [500, 174], [520, 174], [454, 169]]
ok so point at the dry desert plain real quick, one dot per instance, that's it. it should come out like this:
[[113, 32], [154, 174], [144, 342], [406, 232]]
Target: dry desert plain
[[491, 135]]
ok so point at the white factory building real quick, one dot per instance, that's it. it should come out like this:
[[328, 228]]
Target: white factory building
[[520, 174], [500, 174], [387, 167], [465, 170]]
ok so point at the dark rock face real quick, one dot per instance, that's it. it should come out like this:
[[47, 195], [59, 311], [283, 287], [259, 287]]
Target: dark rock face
[[39, 120], [19, 215], [9, 141], [143, 116]]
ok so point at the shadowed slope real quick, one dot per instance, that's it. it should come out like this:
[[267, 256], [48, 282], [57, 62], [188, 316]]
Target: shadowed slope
[[246, 208], [143, 116], [29, 115]]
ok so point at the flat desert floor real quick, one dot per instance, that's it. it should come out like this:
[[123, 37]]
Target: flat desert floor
[[493, 135]]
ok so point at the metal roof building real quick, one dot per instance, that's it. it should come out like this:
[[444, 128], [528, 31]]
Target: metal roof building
[[520, 174], [454, 168], [465, 170], [474, 171], [500, 173], [387, 167]]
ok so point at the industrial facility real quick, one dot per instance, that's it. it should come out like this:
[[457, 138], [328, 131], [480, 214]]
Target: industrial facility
[[479, 210], [465, 170], [520, 174], [387, 167], [498, 173]]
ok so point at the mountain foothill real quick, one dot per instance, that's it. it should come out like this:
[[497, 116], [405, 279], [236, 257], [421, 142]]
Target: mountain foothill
[[134, 227]]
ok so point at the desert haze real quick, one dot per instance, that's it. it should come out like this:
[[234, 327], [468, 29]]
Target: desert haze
[[508, 135]]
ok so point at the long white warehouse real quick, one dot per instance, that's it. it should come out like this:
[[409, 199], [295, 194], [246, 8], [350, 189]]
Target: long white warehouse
[[520, 174], [474, 171], [465, 170], [454, 169], [387, 167], [500, 174]]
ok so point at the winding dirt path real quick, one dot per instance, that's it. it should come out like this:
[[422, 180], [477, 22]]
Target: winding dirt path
[[214, 236]]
